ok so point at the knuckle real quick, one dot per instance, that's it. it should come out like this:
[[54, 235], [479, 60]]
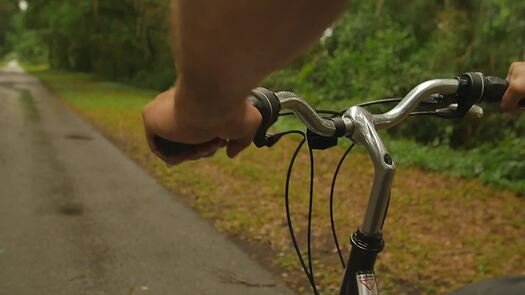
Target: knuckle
[[517, 86], [517, 66], [513, 88]]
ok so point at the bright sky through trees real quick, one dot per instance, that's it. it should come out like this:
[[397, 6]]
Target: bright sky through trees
[[23, 5]]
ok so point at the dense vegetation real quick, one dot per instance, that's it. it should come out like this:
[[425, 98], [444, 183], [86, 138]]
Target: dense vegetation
[[7, 11], [119, 40], [377, 49]]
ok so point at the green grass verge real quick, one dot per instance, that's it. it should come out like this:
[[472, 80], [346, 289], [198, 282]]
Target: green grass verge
[[494, 166], [441, 232], [32, 67], [3, 63]]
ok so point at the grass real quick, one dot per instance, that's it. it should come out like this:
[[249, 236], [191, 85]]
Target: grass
[[441, 232], [34, 67], [3, 62]]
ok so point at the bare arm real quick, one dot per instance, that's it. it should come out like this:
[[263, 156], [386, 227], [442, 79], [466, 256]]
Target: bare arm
[[222, 50]]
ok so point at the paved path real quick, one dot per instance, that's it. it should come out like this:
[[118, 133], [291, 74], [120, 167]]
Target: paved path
[[77, 217]]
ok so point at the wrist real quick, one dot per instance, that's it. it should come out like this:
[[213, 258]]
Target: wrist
[[206, 110]]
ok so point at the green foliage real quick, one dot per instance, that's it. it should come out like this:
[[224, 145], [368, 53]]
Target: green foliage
[[7, 11], [384, 48], [501, 166], [378, 49], [26, 43], [121, 40]]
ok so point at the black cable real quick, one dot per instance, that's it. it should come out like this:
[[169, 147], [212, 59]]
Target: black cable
[[396, 100], [365, 104], [425, 113], [332, 189], [299, 132], [325, 112], [281, 134], [308, 270], [310, 209], [288, 215], [329, 112], [386, 100], [286, 114]]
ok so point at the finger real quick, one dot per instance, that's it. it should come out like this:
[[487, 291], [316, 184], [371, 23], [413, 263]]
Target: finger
[[210, 149], [218, 142], [201, 151], [211, 154], [151, 143], [206, 154], [509, 101], [515, 93], [170, 160], [176, 160], [234, 147], [197, 155]]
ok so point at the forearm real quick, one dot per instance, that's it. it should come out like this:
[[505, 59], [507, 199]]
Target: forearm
[[225, 48]]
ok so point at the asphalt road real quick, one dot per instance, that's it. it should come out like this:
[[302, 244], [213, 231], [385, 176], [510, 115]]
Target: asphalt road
[[77, 217]]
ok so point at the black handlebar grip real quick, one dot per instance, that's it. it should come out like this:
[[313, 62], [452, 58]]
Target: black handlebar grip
[[269, 106], [495, 88], [171, 148], [263, 99], [475, 87]]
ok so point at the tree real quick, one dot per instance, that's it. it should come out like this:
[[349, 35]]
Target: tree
[[121, 40], [7, 11]]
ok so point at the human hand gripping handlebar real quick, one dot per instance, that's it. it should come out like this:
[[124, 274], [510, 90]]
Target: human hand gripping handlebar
[[491, 88], [468, 90], [263, 99]]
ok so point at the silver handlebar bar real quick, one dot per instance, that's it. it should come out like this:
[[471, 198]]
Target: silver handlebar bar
[[306, 113], [361, 126], [412, 100], [400, 112]]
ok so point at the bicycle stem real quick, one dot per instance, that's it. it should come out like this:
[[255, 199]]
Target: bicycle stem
[[367, 242], [365, 134]]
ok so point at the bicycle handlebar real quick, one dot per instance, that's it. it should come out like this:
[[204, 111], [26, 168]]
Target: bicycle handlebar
[[411, 101], [469, 89]]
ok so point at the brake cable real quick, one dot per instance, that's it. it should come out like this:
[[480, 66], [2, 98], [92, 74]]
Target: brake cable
[[308, 268], [325, 112], [332, 190]]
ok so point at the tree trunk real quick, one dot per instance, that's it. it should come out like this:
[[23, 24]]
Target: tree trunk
[[379, 7]]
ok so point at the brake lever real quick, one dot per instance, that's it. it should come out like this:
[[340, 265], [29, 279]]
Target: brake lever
[[452, 112], [444, 100]]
